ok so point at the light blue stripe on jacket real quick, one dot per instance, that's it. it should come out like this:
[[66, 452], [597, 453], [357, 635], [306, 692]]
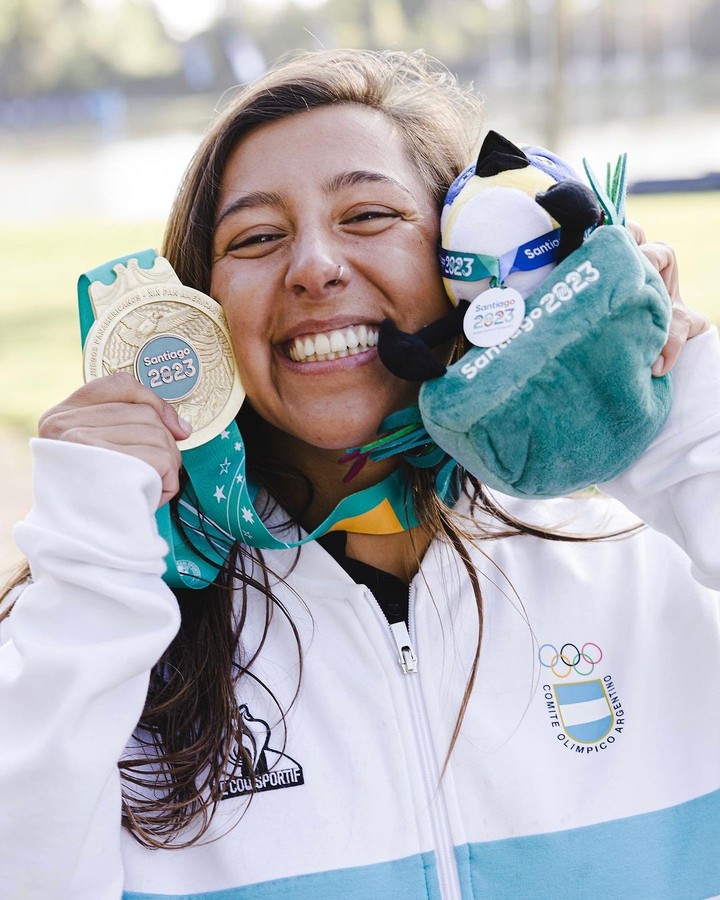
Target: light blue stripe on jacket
[[411, 877], [670, 854]]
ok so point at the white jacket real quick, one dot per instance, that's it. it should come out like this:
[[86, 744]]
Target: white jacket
[[589, 757]]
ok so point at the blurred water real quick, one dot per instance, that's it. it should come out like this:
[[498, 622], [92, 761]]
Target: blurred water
[[125, 179], [668, 146], [135, 179]]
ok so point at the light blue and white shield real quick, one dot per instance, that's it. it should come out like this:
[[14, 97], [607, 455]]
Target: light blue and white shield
[[585, 710]]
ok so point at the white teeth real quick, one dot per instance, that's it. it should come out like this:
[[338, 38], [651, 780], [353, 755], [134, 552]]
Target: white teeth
[[336, 344], [322, 344], [337, 341]]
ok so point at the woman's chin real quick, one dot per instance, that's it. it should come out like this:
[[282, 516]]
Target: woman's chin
[[340, 443], [339, 439]]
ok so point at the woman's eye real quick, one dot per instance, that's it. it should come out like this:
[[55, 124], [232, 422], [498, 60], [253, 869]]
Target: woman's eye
[[371, 215], [254, 241]]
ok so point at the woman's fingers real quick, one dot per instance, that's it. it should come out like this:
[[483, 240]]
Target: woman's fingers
[[118, 413], [637, 231], [685, 323], [118, 389], [678, 336], [662, 256]]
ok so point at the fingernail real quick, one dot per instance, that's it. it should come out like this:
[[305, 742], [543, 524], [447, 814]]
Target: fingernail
[[185, 426], [657, 366]]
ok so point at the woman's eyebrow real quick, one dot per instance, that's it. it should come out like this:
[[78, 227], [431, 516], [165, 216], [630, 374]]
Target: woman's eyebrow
[[362, 176], [250, 201], [336, 183]]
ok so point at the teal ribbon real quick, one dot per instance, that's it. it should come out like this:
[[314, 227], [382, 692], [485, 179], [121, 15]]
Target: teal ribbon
[[404, 433], [534, 254], [216, 509], [468, 266]]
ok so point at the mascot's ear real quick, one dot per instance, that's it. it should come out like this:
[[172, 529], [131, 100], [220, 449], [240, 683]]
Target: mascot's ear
[[498, 154]]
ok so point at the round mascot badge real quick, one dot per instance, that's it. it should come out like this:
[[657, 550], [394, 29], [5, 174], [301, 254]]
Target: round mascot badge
[[494, 316], [171, 338]]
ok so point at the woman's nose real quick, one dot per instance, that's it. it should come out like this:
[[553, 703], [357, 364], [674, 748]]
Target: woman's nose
[[313, 268]]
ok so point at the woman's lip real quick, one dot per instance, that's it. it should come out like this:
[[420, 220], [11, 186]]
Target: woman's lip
[[327, 365], [309, 327]]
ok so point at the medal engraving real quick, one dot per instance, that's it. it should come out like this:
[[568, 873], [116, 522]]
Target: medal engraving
[[171, 338]]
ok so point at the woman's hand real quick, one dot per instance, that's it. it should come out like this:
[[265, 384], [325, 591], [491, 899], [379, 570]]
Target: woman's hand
[[685, 323], [119, 413]]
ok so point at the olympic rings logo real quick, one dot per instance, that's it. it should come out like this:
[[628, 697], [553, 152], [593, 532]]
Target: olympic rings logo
[[570, 659]]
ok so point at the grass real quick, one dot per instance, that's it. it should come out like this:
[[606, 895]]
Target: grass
[[40, 358], [688, 222]]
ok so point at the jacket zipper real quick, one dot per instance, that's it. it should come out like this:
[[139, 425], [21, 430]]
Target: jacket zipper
[[404, 640]]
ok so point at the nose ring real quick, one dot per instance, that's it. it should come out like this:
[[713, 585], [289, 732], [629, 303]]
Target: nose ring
[[339, 275]]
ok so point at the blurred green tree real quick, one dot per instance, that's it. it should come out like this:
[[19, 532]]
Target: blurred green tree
[[48, 46]]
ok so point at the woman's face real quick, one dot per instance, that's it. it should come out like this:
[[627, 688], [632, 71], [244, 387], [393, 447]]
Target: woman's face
[[300, 198]]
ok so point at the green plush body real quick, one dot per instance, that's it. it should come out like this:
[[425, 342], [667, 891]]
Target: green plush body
[[569, 401]]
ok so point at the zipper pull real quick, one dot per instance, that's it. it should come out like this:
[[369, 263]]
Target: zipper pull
[[407, 659]]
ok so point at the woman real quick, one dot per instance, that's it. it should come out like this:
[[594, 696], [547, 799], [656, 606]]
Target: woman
[[283, 749]]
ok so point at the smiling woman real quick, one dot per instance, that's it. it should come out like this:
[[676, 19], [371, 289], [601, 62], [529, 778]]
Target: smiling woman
[[346, 198], [321, 721], [331, 180]]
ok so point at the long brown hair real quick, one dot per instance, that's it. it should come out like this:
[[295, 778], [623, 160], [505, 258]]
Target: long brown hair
[[190, 726], [191, 711]]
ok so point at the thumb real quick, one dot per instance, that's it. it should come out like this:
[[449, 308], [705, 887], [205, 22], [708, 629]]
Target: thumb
[[179, 428]]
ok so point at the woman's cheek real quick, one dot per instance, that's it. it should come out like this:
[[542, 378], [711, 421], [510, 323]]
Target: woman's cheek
[[225, 285]]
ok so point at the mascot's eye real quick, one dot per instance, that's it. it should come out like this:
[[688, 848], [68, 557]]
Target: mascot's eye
[[546, 160]]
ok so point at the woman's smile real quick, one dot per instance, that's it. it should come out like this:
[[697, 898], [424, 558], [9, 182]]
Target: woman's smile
[[336, 344]]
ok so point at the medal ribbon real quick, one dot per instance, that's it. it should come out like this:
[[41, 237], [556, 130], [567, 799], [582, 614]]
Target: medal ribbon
[[534, 254], [217, 508]]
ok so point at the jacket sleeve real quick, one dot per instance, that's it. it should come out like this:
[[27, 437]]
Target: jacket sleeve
[[74, 667], [675, 485]]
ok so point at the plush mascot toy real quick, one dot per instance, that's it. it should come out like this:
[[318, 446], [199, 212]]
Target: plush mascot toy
[[565, 317], [506, 222]]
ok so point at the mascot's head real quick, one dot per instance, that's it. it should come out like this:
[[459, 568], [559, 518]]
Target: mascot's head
[[511, 217], [506, 222]]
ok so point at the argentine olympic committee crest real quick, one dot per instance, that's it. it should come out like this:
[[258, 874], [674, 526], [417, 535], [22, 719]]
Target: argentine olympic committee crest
[[172, 338], [583, 705]]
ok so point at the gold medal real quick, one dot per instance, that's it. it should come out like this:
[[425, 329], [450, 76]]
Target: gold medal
[[170, 337]]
